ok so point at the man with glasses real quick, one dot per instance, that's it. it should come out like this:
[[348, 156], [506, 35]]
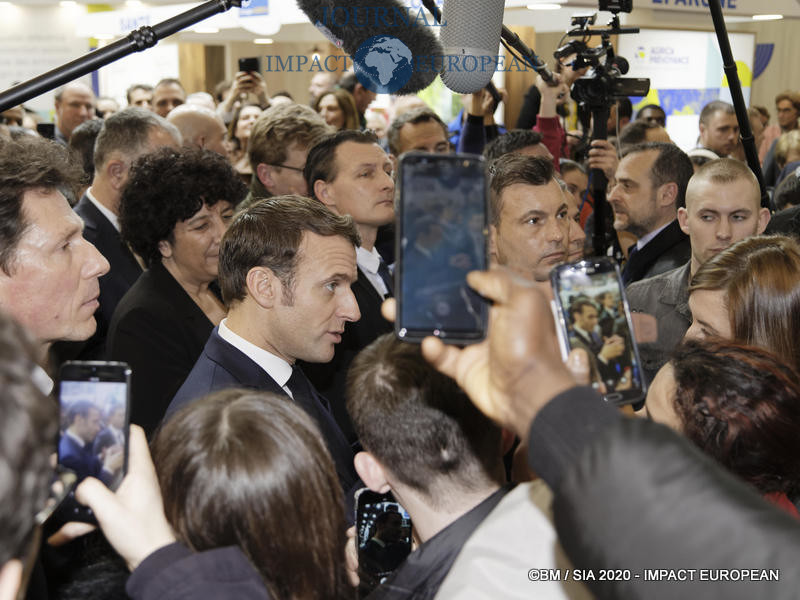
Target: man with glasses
[[279, 144]]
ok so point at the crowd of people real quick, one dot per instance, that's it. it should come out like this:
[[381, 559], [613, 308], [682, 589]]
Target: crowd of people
[[236, 251]]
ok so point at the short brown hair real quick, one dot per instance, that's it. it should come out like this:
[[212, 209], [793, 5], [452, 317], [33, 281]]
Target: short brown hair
[[251, 469], [418, 423], [511, 169], [279, 127], [761, 280], [791, 96], [29, 163], [268, 234], [321, 161]]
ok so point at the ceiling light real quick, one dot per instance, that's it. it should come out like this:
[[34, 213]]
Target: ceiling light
[[544, 6], [133, 3], [767, 17], [205, 30], [103, 36], [68, 4], [263, 41]]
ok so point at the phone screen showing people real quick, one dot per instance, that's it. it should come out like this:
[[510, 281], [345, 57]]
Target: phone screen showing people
[[594, 316], [94, 422], [442, 237], [383, 536]]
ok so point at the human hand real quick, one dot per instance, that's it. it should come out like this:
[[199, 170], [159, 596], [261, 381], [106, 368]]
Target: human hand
[[613, 347], [351, 557], [132, 518], [603, 156], [113, 458]]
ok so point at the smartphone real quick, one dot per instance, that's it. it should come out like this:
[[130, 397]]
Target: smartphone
[[251, 64], [442, 232], [46, 130], [592, 313], [383, 537], [94, 403]]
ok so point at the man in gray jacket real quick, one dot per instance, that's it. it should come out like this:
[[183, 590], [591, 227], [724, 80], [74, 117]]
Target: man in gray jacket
[[723, 206]]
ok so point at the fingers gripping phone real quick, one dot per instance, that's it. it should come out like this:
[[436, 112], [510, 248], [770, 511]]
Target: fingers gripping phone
[[442, 235], [94, 402], [592, 313], [383, 537]]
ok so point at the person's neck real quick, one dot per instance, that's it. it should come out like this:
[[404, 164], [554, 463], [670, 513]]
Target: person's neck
[[106, 195], [240, 320], [429, 521], [194, 288], [368, 234]]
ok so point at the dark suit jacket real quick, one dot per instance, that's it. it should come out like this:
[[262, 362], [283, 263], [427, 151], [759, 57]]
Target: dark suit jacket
[[668, 250], [330, 378], [81, 460], [222, 365], [113, 285], [160, 332]]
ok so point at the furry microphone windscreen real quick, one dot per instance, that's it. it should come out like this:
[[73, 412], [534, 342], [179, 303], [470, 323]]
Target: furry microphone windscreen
[[350, 23]]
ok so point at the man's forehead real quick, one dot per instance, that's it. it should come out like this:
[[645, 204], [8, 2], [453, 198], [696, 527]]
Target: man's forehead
[[527, 197], [712, 195], [48, 209], [354, 154]]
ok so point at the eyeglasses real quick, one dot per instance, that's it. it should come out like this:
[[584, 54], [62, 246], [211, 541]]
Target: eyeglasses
[[298, 169]]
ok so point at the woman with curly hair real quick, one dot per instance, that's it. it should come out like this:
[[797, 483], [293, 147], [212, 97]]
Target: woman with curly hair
[[174, 209], [740, 405]]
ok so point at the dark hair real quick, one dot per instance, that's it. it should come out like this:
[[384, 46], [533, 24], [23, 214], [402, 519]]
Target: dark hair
[[787, 193], [578, 306], [418, 423], [647, 106], [671, 165], [321, 162], [251, 469], [26, 164], [137, 86], [128, 132], [635, 132], [346, 104], [513, 140], [421, 114], [28, 428], [268, 234], [741, 405], [793, 97], [760, 277], [624, 108], [168, 186], [567, 166], [79, 408], [348, 82], [713, 107], [81, 142], [511, 169]]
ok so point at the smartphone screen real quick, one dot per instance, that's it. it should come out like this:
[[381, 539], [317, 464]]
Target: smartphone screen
[[442, 236], [94, 408], [383, 536], [592, 313]]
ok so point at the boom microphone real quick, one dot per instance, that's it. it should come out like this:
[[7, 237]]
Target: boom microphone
[[471, 41], [348, 24]]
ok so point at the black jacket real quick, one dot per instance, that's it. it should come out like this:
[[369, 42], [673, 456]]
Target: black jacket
[[160, 332], [633, 495], [668, 250], [420, 576]]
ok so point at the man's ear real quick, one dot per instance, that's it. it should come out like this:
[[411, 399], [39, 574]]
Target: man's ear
[[10, 579], [371, 472], [683, 220], [264, 174], [165, 248], [493, 243], [264, 287], [322, 192], [763, 220], [667, 194], [117, 171]]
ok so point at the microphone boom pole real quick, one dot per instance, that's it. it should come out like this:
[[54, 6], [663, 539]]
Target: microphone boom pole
[[136, 41], [735, 86]]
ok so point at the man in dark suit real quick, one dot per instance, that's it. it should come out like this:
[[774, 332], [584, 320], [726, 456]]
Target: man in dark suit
[[75, 445], [352, 175], [125, 136], [650, 186], [285, 269]]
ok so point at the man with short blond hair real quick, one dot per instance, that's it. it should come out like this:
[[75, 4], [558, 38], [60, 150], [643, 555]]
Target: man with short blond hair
[[723, 206]]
